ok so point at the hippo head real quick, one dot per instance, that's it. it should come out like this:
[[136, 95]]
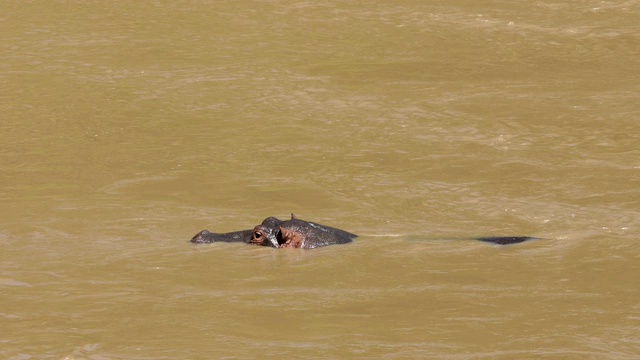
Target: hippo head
[[267, 233], [273, 232]]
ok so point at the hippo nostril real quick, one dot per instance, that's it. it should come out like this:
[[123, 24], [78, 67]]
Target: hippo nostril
[[203, 232]]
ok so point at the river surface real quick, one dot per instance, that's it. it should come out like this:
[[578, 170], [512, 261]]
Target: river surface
[[127, 127]]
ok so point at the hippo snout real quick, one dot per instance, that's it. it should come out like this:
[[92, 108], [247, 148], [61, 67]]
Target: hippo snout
[[201, 237]]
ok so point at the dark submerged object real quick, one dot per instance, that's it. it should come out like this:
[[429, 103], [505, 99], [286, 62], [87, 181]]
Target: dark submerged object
[[296, 233], [505, 240]]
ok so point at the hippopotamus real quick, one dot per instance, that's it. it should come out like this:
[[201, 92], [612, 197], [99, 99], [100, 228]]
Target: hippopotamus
[[296, 233]]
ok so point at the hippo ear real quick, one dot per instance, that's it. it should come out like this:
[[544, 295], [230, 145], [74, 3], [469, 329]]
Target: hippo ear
[[291, 238], [293, 216], [285, 236]]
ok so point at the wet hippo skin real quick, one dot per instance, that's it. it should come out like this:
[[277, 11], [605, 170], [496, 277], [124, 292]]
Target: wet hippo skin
[[296, 233]]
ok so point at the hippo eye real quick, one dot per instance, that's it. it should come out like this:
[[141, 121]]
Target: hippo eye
[[257, 235]]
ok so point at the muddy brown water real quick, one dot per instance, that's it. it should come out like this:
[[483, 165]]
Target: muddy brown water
[[127, 127]]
